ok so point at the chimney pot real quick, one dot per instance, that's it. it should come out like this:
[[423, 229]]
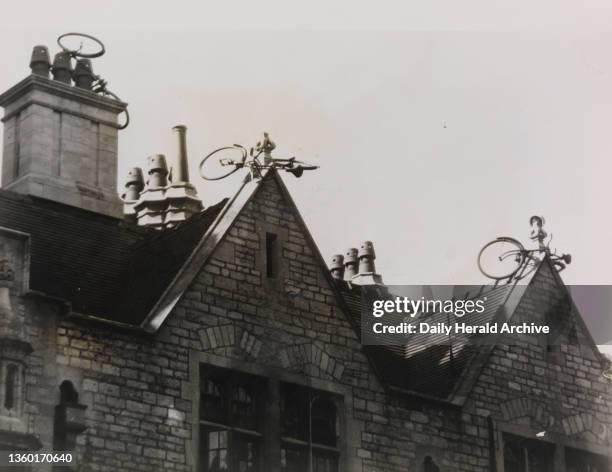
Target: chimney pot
[[350, 263], [83, 74], [367, 271], [40, 63], [337, 267], [367, 250], [62, 68], [134, 183], [366, 258], [182, 174], [158, 171]]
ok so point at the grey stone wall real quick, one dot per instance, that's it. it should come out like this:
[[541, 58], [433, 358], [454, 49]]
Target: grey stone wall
[[142, 391], [60, 143]]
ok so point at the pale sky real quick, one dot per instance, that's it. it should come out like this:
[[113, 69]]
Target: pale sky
[[438, 125]]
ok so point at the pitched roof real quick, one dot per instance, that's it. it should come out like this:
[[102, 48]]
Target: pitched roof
[[431, 365], [90, 260]]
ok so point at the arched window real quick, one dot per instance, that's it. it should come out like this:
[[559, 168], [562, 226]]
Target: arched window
[[10, 387], [429, 465], [68, 394]]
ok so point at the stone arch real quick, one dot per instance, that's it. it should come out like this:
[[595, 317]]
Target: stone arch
[[302, 356], [230, 336], [585, 424], [526, 411]]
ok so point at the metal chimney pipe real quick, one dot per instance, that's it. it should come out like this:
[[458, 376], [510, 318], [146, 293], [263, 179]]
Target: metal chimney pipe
[[182, 172], [337, 267]]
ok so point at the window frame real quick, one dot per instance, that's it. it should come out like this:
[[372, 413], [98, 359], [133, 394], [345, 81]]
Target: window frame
[[230, 380], [558, 443], [307, 443], [270, 446]]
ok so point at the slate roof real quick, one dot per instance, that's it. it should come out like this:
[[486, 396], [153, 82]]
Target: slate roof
[[90, 260], [427, 364]]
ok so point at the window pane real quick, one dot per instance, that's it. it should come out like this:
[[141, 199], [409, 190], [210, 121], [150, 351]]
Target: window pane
[[324, 462], [527, 455], [245, 454], [323, 421], [514, 455], [294, 459], [214, 451], [212, 401], [583, 461], [294, 411], [243, 408], [540, 457]]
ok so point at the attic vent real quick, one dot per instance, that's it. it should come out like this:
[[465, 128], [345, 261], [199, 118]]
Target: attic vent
[[271, 255]]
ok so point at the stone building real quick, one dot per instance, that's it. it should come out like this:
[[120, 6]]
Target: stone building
[[158, 333]]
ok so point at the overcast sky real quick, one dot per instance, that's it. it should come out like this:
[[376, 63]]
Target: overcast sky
[[438, 125]]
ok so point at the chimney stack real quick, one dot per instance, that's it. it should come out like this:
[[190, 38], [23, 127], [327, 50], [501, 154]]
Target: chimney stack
[[350, 264], [61, 141], [337, 267], [163, 204]]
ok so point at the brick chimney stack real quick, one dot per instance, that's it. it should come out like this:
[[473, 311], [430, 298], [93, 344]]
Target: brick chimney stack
[[60, 140]]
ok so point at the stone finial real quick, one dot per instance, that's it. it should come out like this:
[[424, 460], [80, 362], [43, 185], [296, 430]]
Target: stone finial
[[40, 63]]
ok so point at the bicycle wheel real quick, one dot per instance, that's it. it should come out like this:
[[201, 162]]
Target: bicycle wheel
[[217, 165], [76, 39], [501, 258]]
